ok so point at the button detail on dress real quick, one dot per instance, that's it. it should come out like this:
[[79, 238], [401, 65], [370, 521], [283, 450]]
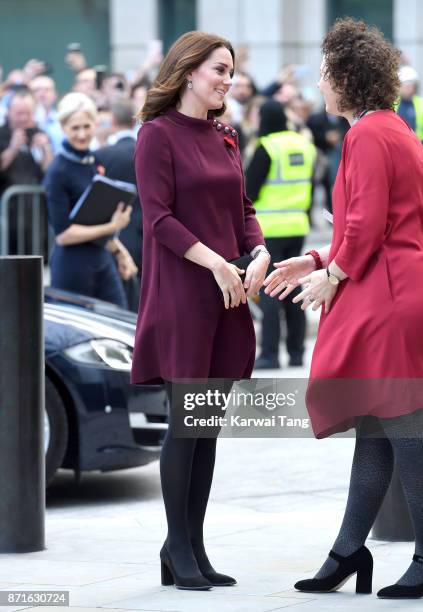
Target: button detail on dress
[[219, 126]]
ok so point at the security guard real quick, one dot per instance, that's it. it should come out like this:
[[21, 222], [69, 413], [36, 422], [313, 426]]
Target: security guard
[[410, 106], [279, 182]]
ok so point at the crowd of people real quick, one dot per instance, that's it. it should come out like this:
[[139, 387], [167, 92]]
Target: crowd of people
[[33, 135]]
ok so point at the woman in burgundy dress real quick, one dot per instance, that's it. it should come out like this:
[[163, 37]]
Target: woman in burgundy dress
[[194, 321], [367, 365]]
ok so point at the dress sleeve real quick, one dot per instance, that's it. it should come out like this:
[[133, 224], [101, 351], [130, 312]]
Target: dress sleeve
[[156, 188], [58, 200], [253, 235], [368, 175]]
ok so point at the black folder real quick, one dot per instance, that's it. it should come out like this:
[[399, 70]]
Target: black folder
[[99, 202], [100, 199]]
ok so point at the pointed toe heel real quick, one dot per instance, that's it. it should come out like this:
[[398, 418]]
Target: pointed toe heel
[[402, 591], [169, 576], [219, 579], [360, 563]]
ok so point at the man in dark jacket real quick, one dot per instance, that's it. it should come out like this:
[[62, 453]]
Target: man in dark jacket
[[328, 135], [117, 159], [280, 183], [25, 153]]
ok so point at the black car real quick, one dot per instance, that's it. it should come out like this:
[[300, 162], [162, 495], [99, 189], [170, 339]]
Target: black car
[[96, 420]]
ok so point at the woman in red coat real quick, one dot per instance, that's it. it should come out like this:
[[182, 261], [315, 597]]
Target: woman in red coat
[[194, 321], [367, 365]]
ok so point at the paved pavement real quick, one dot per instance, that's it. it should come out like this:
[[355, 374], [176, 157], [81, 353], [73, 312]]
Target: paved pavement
[[275, 508]]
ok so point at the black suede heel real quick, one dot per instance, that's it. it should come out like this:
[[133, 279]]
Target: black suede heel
[[402, 591], [218, 579], [169, 576], [360, 563]]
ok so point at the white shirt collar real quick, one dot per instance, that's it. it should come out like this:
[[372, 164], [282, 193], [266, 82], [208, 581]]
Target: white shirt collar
[[114, 138]]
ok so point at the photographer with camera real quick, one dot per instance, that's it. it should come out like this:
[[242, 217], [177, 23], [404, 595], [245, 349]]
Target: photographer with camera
[[25, 154]]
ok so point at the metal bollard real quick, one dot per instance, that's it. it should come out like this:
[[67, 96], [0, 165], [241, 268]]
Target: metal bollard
[[393, 523], [22, 460]]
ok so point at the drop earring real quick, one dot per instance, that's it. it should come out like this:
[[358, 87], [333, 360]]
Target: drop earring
[[189, 85]]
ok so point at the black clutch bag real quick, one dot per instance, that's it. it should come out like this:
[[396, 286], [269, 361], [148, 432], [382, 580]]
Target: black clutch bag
[[242, 262]]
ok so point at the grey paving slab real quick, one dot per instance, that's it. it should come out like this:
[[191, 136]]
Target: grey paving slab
[[4, 585], [107, 591], [92, 550], [60, 573], [210, 601], [365, 603], [76, 609]]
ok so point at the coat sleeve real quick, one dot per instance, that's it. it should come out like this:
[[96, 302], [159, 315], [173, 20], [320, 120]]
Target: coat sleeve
[[156, 188], [58, 199], [253, 235], [368, 175]]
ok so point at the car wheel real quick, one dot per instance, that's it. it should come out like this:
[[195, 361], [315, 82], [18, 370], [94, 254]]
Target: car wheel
[[55, 430]]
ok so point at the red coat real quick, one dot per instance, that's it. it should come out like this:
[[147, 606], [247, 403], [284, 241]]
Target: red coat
[[191, 188], [368, 357]]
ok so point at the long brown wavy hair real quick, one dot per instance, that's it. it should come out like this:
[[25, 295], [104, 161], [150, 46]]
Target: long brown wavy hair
[[186, 54]]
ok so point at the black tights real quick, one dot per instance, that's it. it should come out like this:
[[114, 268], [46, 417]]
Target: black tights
[[186, 472], [378, 443]]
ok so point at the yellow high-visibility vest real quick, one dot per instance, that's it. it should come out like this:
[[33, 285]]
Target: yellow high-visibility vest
[[418, 109], [285, 198]]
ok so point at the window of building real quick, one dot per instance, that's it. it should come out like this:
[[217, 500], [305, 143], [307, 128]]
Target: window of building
[[376, 12], [175, 18], [44, 28]]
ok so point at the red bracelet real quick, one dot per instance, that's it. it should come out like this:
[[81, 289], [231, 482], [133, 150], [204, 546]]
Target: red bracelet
[[315, 255]]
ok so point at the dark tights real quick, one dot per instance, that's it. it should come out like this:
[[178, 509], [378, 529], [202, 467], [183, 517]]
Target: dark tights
[[186, 472], [378, 443]]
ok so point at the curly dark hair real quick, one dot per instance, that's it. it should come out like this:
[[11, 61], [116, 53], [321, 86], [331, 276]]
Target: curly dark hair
[[362, 66]]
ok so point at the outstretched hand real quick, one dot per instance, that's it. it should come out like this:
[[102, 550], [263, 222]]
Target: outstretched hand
[[287, 275], [317, 291]]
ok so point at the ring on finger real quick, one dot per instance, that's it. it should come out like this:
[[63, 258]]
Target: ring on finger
[[311, 298]]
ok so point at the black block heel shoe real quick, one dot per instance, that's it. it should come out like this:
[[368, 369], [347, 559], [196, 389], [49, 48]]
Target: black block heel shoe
[[207, 569], [402, 591], [188, 583], [219, 579], [360, 563]]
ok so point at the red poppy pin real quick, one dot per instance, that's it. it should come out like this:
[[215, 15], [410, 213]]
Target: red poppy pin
[[230, 141]]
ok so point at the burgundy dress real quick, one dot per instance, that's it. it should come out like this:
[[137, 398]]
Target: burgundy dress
[[368, 357], [191, 186]]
